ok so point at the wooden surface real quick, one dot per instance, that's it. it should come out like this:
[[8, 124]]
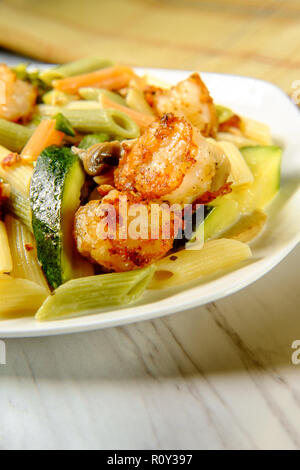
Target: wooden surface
[[216, 377], [254, 37]]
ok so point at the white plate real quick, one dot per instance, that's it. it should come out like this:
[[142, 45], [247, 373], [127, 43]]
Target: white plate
[[253, 98]]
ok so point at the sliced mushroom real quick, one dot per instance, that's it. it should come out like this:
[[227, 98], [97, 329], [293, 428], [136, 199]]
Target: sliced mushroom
[[99, 157]]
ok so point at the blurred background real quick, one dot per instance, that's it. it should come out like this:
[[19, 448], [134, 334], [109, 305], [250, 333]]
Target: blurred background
[[248, 37]]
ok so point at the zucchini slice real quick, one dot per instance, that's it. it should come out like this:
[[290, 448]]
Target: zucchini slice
[[55, 196]]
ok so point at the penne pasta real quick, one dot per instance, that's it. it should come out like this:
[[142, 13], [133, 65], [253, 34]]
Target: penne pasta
[[125, 177], [23, 250], [19, 297], [256, 131], [135, 99], [95, 94], [18, 175], [83, 105], [240, 171], [111, 121], [6, 263], [19, 206], [142, 120], [44, 136], [248, 227], [57, 98], [189, 265]]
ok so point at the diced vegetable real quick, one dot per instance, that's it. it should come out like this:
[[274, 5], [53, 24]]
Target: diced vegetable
[[14, 136]]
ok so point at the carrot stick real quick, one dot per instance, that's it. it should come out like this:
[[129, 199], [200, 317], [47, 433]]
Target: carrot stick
[[111, 78], [142, 120], [44, 136]]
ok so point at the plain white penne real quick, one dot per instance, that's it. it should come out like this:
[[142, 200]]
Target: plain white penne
[[240, 171], [188, 265], [20, 297], [6, 263], [23, 250]]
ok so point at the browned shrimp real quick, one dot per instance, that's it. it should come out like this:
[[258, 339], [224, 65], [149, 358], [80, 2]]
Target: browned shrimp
[[17, 98], [172, 162], [189, 98], [114, 244]]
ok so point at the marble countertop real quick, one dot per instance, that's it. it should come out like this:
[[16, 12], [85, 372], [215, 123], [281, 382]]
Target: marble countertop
[[215, 377]]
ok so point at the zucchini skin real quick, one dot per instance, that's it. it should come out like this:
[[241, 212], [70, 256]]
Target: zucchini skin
[[47, 192]]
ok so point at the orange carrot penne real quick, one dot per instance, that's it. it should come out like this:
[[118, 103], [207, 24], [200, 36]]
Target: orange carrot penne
[[44, 136], [111, 78], [142, 120]]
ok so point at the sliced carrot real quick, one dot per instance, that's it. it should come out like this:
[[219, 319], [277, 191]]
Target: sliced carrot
[[111, 78], [44, 136], [142, 120]]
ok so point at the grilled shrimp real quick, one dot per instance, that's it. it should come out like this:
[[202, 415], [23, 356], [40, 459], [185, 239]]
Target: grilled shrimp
[[17, 98], [172, 162], [112, 242], [189, 98]]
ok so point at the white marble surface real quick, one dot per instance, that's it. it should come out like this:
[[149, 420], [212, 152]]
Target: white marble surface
[[216, 377]]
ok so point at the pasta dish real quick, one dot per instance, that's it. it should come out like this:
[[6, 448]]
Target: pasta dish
[[112, 183]]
